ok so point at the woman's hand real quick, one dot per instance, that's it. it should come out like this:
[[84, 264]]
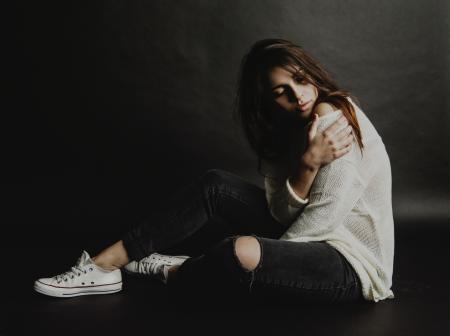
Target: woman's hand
[[322, 148], [328, 145]]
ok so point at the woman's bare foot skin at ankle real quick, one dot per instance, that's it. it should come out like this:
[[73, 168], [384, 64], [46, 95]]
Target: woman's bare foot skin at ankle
[[113, 257], [171, 274]]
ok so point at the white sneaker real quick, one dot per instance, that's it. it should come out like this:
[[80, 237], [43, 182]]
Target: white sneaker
[[85, 278], [155, 264]]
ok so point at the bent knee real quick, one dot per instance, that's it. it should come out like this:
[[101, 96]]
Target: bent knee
[[248, 251]]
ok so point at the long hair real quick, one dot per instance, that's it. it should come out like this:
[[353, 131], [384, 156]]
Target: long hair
[[267, 128]]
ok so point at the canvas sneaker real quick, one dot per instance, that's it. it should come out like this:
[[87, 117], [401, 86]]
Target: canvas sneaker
[[155, 265], [85, 278]]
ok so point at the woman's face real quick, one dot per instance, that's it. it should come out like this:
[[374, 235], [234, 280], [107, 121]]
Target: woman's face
[[291, 92]]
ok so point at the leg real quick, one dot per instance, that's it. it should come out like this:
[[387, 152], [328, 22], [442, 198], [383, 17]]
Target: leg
[[273, 271], [247, 251], [222, 272], [188, 224], [112, 257], [293, 273]]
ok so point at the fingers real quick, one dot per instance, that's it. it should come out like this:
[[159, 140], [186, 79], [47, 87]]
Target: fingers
[[315, 121], [349, 139], [341, 152], [313, 128], [344, 144], [345, 141], [341, 122], [344, 133]]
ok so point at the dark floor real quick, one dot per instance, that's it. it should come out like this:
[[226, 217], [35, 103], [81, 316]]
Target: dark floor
[[421, 306]]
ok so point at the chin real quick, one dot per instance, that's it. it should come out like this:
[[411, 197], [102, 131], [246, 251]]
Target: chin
[[304, 115]]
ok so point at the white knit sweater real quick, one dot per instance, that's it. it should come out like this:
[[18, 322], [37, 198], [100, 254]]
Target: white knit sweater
[[349, 207]]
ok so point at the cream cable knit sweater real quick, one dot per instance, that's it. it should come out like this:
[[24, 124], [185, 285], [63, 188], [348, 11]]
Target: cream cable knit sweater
[[349, 207]]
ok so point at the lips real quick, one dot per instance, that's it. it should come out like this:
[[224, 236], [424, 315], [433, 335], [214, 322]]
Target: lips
[[304, 106]]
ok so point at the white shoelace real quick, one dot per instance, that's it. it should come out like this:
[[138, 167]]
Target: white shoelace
[[152, 266], [74, 271]]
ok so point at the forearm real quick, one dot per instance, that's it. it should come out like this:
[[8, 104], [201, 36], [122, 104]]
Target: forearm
[[302, 179]]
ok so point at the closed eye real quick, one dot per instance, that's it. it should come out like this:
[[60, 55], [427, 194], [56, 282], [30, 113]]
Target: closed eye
[[281, 90], [278, 93]]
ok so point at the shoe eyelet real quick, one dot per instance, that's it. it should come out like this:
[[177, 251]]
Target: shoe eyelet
[[71, 276], [90, 269], [65, 280], [84, 272], [78, 274], [82, 283], [92, 282]]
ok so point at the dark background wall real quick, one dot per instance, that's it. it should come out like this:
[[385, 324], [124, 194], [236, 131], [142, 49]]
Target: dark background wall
[[111, 105]]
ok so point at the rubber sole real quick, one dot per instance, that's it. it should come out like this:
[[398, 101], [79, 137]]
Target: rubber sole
[[106, 289]]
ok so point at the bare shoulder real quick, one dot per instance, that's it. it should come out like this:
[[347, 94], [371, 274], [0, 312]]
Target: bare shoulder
[[323, 109]]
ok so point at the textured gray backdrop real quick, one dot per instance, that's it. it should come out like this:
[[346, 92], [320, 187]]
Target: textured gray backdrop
[[126, 91]]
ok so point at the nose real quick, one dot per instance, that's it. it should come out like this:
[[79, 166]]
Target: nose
[[298, 95]]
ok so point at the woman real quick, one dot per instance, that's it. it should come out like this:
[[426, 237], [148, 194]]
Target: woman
[[322, 230]]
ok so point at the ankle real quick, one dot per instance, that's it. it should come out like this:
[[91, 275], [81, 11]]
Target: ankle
[[113, 257], [171, 272], [104, 264]]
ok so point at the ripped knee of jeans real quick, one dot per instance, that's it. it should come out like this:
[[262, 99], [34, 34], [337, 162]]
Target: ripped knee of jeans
[[251, 272], [248, 255]]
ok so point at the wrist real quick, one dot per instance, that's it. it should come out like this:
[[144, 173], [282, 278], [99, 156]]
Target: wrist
[[309, 162]]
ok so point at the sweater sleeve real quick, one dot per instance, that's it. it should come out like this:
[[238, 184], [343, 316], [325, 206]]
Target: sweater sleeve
[[334, 193], [284, 204]]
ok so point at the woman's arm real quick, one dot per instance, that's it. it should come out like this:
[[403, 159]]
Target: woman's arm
[[322, 148], [334, 193], [284, 202], [287, 197]]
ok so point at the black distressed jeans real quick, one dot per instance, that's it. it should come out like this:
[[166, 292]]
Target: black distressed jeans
[[203, 220]]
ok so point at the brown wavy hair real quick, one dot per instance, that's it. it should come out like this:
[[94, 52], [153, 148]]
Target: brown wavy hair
[[268, 128]]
